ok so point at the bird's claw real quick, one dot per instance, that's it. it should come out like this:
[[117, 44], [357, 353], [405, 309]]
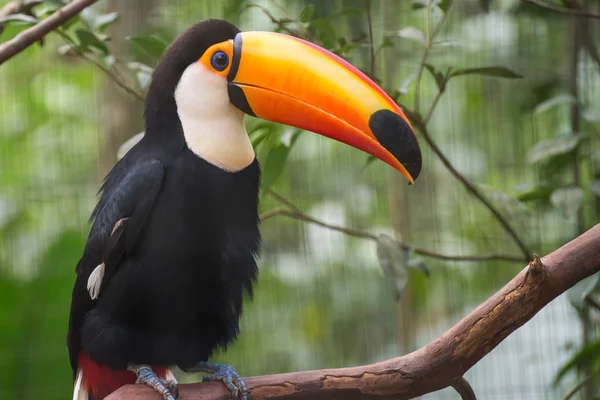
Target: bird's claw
[[167, 389], [228, 375]]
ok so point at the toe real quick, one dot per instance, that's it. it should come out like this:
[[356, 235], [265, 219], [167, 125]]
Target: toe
[[242, 386], [228, 381], [173, 388]]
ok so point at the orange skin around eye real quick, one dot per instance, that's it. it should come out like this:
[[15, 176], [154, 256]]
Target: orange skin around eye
[[227, 48]]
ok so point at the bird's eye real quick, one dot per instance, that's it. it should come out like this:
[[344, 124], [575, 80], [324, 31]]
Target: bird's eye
[[219, 61]]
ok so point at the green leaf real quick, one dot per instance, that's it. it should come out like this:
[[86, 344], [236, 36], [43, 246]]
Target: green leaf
[[258, 136], [588, 355], [88, 39], [307, 14], [590, 115], [553, 102], [274, 165], [325, 32], [142, 73], [19, 19], [595, 187], [443, 5], [437, 75], [578, 293], [109, 61], [102, 21], [418, 4], [289, 136], [535, 191], [152, 45], [387, 42], [485, 5], [412, 33], [403, 89], [595, 161], [506, 204], [395, 261], [567, 200], [500, 72], [550, 148]]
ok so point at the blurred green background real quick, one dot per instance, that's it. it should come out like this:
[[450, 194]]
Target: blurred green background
[[322, 299]]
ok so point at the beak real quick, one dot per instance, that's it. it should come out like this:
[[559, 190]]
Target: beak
[[288, 80]]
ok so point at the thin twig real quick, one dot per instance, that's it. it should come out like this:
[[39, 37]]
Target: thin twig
[[307, 218], [468, 185], [562, 10], [112, 75], [464, 389], [38, 31], [274, 20], [428, 45], [441, 91], [115, 78], [421, 124], [284, 201], [372, 47], [592, 302], [298, 215], [577, 388]]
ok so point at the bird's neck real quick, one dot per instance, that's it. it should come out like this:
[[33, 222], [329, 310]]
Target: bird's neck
[[220, 139]]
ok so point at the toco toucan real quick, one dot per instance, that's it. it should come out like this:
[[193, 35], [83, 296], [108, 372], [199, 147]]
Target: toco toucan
[[174, 240]]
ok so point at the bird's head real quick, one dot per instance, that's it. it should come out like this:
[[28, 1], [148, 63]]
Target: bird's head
[[213, 69]]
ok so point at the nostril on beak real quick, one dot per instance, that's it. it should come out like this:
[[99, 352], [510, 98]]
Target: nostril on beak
[[394, 133]]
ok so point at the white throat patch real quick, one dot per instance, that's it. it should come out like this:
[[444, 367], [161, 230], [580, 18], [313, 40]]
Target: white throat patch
[[213, 128]]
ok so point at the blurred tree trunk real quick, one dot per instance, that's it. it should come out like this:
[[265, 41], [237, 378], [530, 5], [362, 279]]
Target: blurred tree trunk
[[574, 48], [406, 340], [123, 114]]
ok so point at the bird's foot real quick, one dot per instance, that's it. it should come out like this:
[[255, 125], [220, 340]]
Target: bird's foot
[[145, 376], [226, 374]]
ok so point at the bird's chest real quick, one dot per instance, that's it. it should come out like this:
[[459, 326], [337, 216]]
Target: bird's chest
[[208, 214]]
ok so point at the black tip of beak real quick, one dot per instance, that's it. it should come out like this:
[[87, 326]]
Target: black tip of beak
[[393, 133]]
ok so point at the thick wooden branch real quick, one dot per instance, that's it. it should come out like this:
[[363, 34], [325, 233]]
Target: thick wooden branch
[[437, 365], [38, 31]]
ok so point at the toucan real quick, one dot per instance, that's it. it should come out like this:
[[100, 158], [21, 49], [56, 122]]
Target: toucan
[[172, 251]]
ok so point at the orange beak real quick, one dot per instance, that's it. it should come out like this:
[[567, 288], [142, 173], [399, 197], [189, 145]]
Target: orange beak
[[288, 80]]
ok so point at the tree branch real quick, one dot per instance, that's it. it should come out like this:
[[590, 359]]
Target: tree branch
[[17, 7], [295, 213], [464, 389], [562, 10], [437, 365], [38, 31]]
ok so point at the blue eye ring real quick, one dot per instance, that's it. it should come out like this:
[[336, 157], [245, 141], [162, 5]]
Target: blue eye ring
[[219, 60]]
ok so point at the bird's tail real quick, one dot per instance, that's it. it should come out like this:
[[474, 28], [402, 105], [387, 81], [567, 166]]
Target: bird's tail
[[95, 382]]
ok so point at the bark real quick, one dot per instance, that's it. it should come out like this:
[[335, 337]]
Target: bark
[[440, 364], [28, 37]]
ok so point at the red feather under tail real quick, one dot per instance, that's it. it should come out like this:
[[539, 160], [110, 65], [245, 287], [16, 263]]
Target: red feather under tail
[[99, 380]]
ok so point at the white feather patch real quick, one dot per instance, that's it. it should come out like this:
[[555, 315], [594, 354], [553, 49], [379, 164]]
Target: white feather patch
[[170, 377], [213, 128], [95, 281], [79, 392]]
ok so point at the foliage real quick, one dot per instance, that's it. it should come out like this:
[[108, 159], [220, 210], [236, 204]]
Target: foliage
[[49, 153]]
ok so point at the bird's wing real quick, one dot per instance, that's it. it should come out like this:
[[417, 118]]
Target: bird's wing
[[119, 218]]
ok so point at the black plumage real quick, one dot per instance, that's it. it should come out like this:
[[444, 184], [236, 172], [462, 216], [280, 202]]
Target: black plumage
[[183, 257]]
